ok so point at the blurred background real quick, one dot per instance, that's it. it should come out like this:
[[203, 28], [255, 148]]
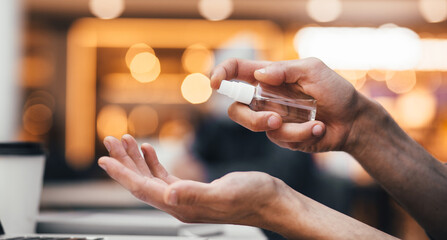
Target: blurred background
[[75, 71]]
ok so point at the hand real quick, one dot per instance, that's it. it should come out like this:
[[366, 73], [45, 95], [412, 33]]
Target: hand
[[338, 103], [246, 198], [237, 198]]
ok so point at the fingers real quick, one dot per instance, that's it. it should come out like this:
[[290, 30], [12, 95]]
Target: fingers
[[186, 192], [235, 68], [298, 132], [143, 188], [255, 121], [289, 71], [117, 151], [131, 147], [154, 165]]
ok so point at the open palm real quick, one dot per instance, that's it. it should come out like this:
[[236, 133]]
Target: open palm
[[235, 198]]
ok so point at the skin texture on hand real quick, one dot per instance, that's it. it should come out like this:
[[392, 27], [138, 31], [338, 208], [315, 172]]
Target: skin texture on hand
[[237, 198], [337, 102], [350, 122], [246, 198]]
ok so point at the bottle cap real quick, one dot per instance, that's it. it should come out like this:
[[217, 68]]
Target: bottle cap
[[238, 91]]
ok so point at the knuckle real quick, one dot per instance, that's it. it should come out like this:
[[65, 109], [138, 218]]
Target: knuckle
[[257, 123], [313, 61], [230, 61], [315, 64], [137, 190], [191, 199]]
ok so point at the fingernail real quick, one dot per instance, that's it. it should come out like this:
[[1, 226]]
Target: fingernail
[[172, 199], [103, 166], [213, 75], [123, 141], [261, 71], [107, 145], [273, 122], [317, 130]]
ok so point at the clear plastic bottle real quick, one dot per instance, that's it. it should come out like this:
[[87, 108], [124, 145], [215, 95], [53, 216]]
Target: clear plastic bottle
[[287, 100]]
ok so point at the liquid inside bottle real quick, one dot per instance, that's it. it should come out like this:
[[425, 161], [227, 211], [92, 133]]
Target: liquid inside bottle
[[286, 100]]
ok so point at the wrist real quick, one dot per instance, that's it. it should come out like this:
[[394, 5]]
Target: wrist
[[370, 121], [283, 215]]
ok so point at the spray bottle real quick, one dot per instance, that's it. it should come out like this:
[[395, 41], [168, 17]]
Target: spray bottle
[[286, 100]]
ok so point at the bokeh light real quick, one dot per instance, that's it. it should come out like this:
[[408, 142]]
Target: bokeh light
[[37, 71], [356, 77], [37, 119], [196, 88], [136, 49], [433, 54], [433, 11], [143, 121], [215, 10], [112, 121], [416, 109], [324, 10], [143, 62], [106, 9], [197, 58], [41, 97], [175, 130], [362, 48], [402, 81], [389, 103], [145, 67], [381, 75]]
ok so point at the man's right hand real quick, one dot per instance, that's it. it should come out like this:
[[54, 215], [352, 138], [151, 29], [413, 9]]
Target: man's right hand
[[338, 103]]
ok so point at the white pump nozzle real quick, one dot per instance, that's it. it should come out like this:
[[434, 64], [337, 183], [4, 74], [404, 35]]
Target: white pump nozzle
[[238, 91]]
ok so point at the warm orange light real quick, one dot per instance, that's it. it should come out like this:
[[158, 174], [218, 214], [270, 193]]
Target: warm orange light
[[381, 75], [174, 131], [143, 121], [324, 10], [88, 34], [106, 9], [402, 82], [136, 49], [41, 97], [143, 62], [433, 11], [197, 58], [196, 88], [145, 67], [355, 77], [112, 121], [81, 94], [433, 54], [37, 119], [416, 109], [37, 71], [215, 10], [389, 104]]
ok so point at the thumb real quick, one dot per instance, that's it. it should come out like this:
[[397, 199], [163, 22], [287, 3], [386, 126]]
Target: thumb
[[186, 192], [298, 132]]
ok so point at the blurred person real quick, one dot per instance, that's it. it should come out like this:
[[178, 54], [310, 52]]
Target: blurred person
[[347, 121]]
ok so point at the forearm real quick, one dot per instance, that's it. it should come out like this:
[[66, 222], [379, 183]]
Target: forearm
[[409, 173], [296, 216]]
